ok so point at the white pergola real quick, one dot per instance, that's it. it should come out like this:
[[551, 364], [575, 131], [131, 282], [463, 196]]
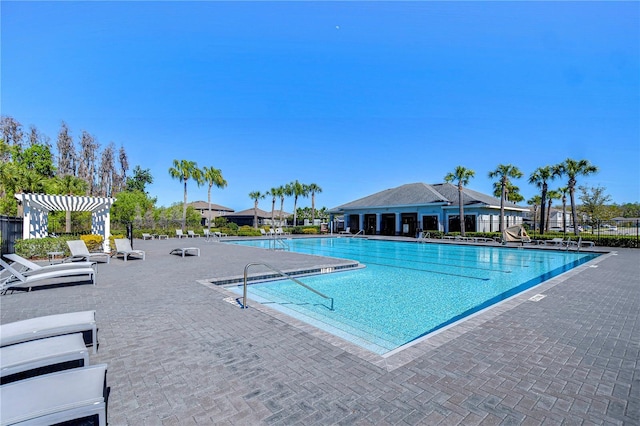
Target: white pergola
[[37, 207]]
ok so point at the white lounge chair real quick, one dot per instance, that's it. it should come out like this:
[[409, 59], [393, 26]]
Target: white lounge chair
[[30, 267], [179, 233], [192, 234], [51, 325], [185, 250], [263, 232], [26, 281], [79, 251], [43, 356], [346, 231], [57, 397], [123, 247], [147, 236]]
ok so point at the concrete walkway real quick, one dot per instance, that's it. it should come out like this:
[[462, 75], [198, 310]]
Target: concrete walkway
[[179, 353]]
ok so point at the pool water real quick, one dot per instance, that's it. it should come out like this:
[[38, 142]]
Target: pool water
[[407, 290]]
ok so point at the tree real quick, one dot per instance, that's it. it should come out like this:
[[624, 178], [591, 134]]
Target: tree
[[572, 169], [66, 152], [287, 191], [11, 131], [107, 171], [313, 190], [273, 193], [563, 190], [140, 179], [183, 170], [121, 181], [462, 175], [551, 195], [540, 178], [297, 190], [37, 158], [212, 176], [504, 172], [255, 196], [594, 203], [130, 205], [71, 185], [535, 202], [87, 160], [282, 192]]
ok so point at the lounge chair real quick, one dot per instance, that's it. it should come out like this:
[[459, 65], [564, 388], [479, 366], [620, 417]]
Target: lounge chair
[[123, 247], [30, 267], [219, 234], [185, 250], [559, 241], [51, 325], [147, 236], [263, 232], [192, 234], [346, 231], [79, 251], [179, 234], [26, 281], [43, 356], [56, 398]]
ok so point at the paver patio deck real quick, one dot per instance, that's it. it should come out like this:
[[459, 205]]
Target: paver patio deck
[[180, 354]]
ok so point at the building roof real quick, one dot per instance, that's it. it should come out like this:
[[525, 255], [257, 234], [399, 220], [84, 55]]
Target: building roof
[[203, 205], [261, 213], [419, 194]]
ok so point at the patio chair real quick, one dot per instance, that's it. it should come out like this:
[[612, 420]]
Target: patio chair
[[192, 234], [51, 325], [30, 267], [179, 233], [57, 398], [43, 356], [26, 281], [346, 231], [79, 251], [558, 241], [263, 232], [147, 236], [123, 247]]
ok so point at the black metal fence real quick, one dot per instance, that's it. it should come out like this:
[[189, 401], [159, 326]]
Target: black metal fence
[[10, 231]]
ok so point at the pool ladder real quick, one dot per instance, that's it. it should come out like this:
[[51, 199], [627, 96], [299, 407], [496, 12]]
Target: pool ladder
[[279, 272]]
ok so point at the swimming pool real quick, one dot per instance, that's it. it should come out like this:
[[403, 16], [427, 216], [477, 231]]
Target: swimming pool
[[407, 290]]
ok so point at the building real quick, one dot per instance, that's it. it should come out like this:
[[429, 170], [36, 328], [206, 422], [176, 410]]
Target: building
[[217, 210], [245, 217], [407, 208]]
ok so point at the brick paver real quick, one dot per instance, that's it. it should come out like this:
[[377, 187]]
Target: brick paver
[[179, 354]]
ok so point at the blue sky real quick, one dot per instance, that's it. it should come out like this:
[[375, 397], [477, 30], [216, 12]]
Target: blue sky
[[356, 97]]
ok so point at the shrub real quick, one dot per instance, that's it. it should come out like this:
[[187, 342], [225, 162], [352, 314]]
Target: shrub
[[93, 242], [248, 231], [311, 230]]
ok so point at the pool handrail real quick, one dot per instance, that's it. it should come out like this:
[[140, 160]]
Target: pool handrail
[[246, 269]]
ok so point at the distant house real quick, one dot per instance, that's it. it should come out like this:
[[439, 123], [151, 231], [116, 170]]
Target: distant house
[[245, 217], [217, 210], [407, 208]]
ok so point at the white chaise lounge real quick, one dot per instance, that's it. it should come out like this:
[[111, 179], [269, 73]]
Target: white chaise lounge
[[57, 397], [123, 247], [17, 280], [43, 356], [32, 267], [79, 252], [51, 325]]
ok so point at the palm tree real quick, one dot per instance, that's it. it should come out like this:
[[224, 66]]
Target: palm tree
[[539, 178], [504, 171], [535, 202], [256, 196], [183, 170], [284, 191], [563, 190], [212, 176], [551, 195], [273, 193], [572, 169], [462, 175], [297, 190], [313, 190]]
